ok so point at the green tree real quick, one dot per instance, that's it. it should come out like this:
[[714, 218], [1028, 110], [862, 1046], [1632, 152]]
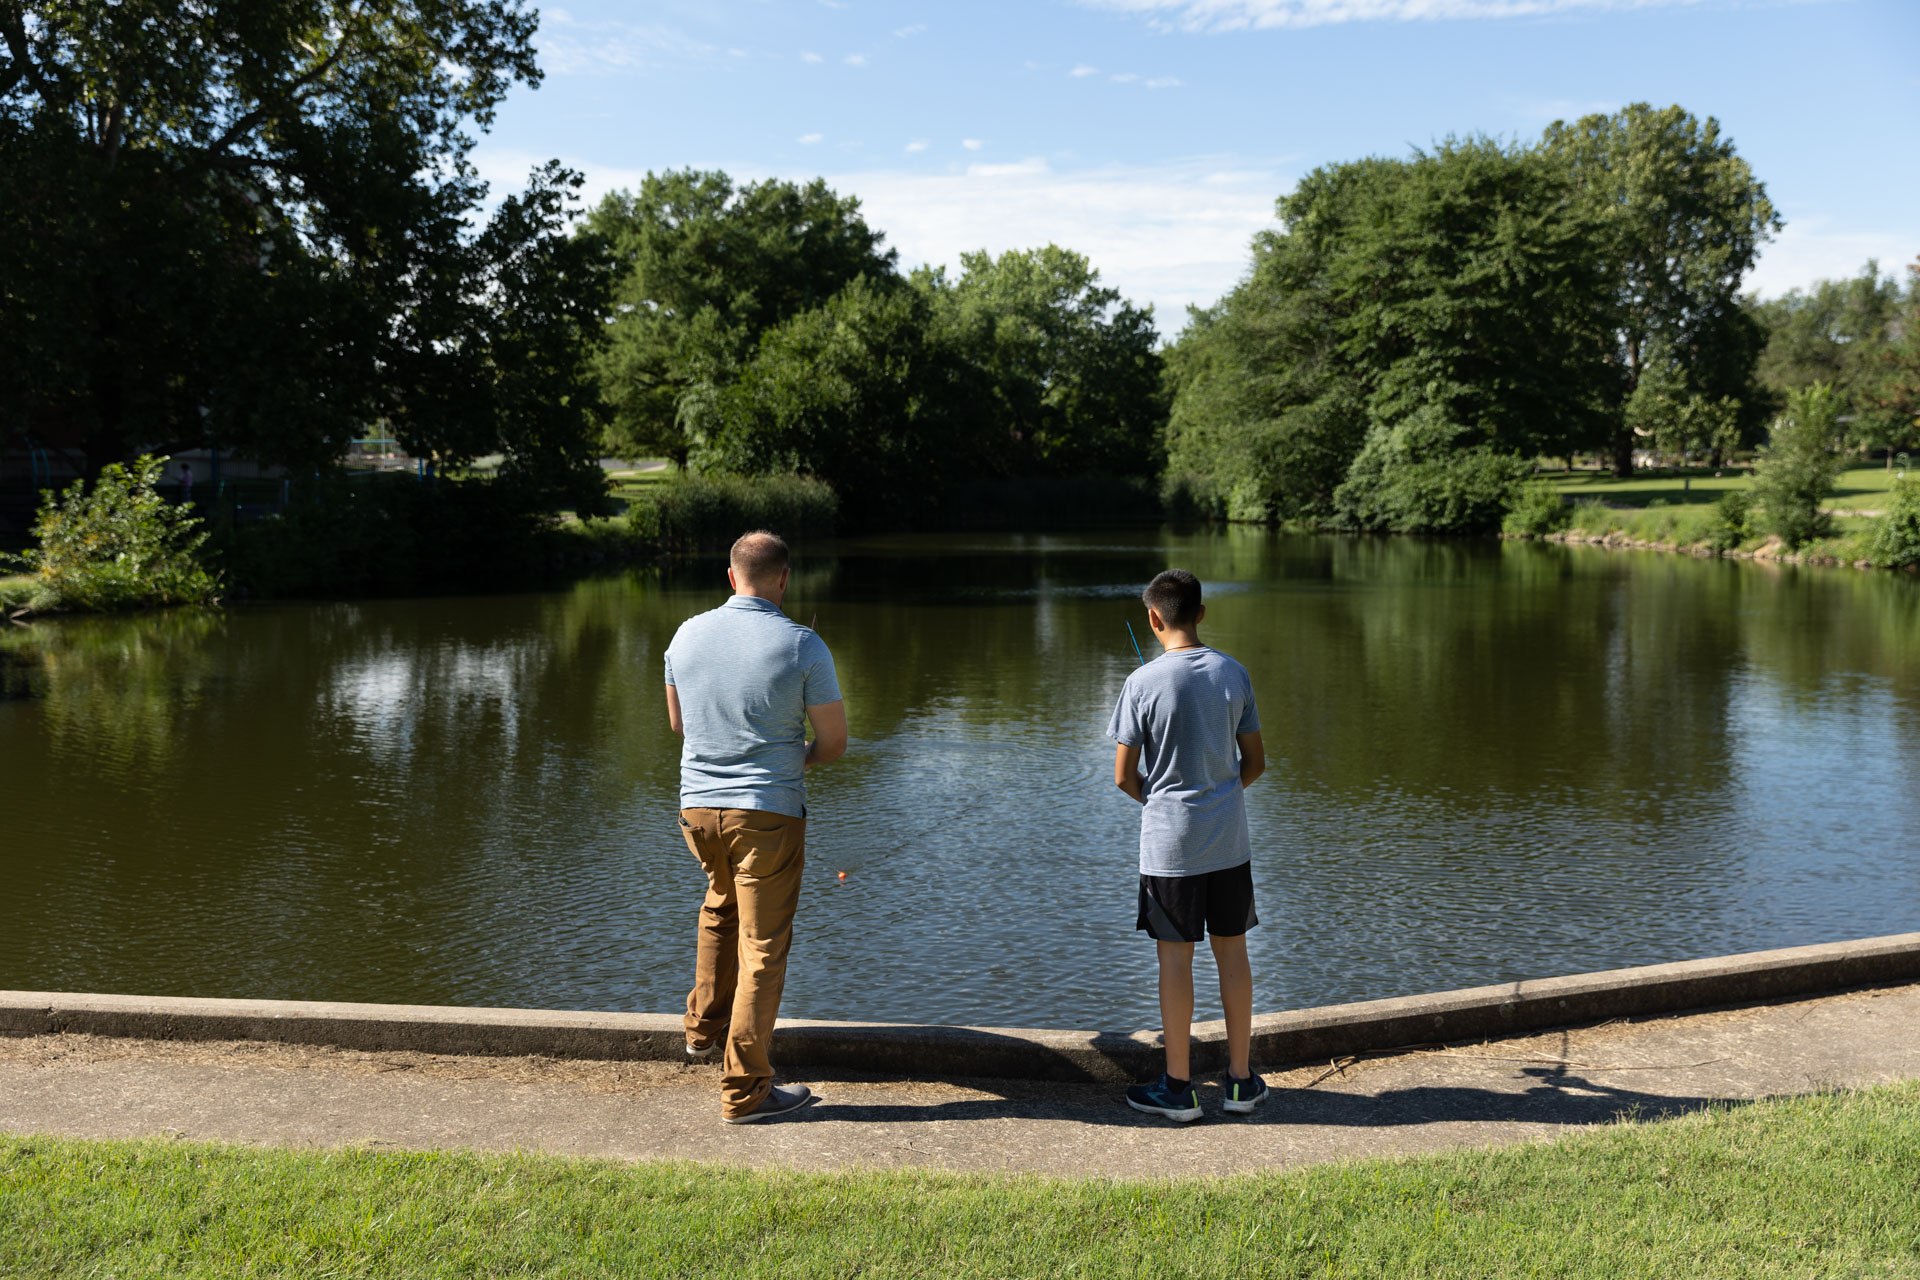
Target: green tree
[[1680, 218], [860, 393], [1074, 368], [1798, 465], [1893, 386], [1457, 287], [253, 224], [704, 269], [1837, 332]]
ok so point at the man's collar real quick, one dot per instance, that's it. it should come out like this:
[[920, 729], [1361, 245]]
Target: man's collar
[[751, 602]]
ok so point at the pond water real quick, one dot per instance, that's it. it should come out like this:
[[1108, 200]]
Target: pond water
[[1488, 762]]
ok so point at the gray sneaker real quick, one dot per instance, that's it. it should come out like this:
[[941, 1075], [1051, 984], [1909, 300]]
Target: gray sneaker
[[703, 1055], [780, 1100]]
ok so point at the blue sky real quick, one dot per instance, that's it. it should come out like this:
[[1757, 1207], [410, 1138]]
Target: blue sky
[[1154, 135]]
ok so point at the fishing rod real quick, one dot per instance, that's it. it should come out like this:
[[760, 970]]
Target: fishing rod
[[1136, 644]]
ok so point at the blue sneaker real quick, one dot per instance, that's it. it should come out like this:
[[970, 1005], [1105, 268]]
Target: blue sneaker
[[1244, 1095], [1161, 1099]]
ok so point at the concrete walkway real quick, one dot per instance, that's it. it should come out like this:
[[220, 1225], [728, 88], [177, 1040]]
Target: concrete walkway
[[1409, 1101]]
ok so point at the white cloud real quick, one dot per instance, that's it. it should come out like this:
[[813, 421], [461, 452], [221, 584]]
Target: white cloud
[[809, 56], [1238, 15], [1081, 71], [569, 47], [856, 59], [1165, 82], [808, 139], [1125, 77], [901, 33], [1816, 247], [972, 144], [1169, 234], [918, 144]]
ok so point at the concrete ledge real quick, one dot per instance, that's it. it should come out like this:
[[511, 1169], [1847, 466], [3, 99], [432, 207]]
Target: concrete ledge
[[941, 1051]]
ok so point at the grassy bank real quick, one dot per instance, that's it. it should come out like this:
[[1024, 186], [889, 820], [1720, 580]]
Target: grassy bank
[[1857, 489], [1815, 1186], [1676, 511]]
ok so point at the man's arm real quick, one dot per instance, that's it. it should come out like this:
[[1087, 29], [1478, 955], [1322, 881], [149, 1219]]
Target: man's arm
[[829, 743], [1253, 757], [1126, 771], [673, 711]]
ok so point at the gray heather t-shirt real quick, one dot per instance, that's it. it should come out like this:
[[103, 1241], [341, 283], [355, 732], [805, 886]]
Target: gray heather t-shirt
[[745, 674], [1183, 711]]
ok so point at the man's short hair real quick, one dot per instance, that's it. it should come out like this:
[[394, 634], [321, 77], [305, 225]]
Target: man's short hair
[[1175, 596], [759, 556]]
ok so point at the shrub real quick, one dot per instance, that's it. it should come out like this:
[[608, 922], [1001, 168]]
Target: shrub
[[706, 513], [1797, 467], [1420, 476], [1895, 542], [1732, 520], [1539, 511], [119, 547]]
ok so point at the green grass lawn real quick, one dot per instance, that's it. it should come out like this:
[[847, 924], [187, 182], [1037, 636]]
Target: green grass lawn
[[1825, 1185], [1858, 488]]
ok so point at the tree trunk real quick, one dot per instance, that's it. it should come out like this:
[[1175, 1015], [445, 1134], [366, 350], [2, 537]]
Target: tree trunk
[[1622, 449]]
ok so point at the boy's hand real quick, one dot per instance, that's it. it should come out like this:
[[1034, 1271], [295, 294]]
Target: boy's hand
[[1253, 757], [1126, 771]]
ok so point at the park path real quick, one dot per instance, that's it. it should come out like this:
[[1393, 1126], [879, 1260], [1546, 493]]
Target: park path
[[1411, 1101]]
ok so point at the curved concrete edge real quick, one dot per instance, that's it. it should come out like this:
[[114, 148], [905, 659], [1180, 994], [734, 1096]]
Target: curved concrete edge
[[1302, 1035]]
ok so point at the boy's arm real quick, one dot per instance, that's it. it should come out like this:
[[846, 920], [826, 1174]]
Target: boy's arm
[[1253, 757], [1126, 771]]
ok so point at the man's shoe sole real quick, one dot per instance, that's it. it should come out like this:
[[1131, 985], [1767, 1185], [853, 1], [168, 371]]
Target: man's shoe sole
[[755, 1117], [703, 1055], [1184, 1115]]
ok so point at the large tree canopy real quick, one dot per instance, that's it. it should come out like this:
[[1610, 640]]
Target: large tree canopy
[[1415, 325], [1455, 290], [252, 223], [706, 268], [1681, 219], [1073, 367]]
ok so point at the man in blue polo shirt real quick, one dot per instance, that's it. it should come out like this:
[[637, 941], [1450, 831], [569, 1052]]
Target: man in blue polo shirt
[[743, 682]]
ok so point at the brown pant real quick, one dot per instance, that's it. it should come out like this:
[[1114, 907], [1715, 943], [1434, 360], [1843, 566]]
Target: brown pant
[[752, 859]]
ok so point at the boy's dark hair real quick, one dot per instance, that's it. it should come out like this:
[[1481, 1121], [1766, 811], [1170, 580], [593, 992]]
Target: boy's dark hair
[[1175, 596], [758, 556]]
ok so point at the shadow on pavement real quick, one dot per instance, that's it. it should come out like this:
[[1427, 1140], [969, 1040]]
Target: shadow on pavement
[[1555, 1095]]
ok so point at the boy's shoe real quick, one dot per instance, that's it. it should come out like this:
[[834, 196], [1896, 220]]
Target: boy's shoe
[[1244, 1095], [780, 1101], [1159, 1098]]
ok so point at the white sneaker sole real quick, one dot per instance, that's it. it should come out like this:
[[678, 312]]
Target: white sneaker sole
[[1245, 1108], [1184, 1115], [757, 1117]]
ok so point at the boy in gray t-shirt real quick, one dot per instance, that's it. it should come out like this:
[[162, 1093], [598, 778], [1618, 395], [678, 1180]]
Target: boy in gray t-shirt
[[1189, 747]]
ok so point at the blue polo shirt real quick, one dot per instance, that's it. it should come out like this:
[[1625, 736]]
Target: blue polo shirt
[[745, 674]]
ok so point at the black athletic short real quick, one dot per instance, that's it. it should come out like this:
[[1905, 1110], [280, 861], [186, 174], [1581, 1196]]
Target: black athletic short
[[1188, 908]]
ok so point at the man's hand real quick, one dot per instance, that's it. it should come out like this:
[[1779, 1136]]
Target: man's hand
[[1126, 772], [829, 743]]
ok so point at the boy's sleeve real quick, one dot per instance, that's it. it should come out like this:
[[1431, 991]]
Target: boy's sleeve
[[1125, 727], [667, 657], [1249, 714], [822, 683]]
